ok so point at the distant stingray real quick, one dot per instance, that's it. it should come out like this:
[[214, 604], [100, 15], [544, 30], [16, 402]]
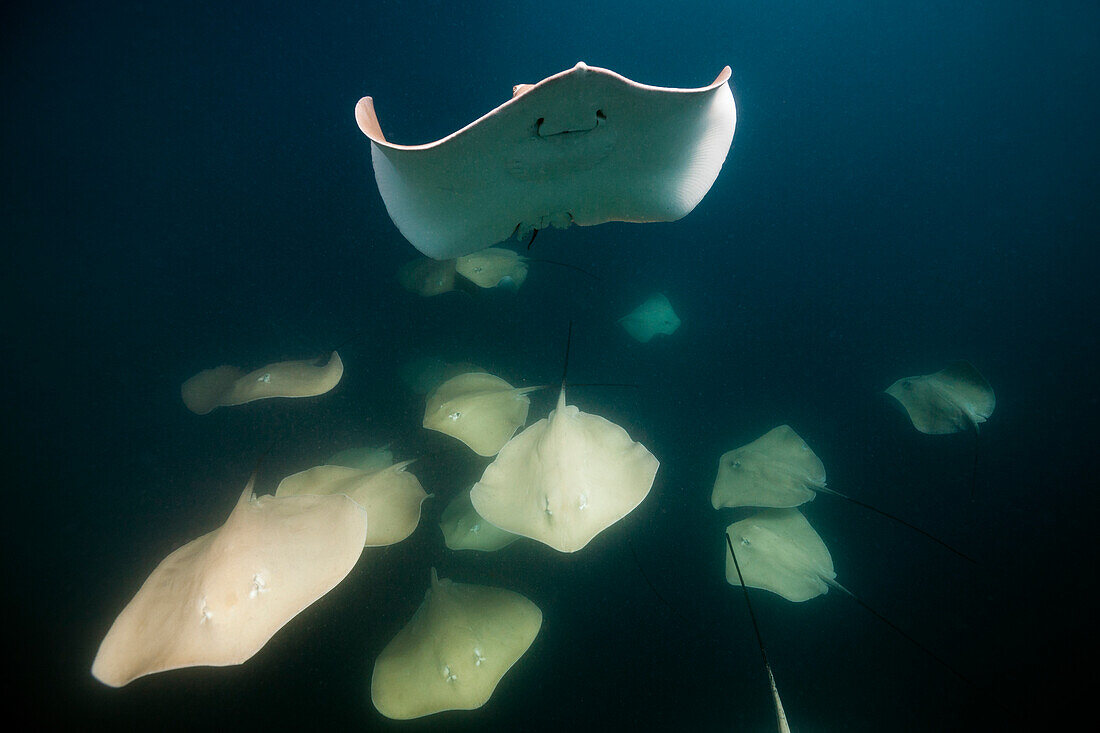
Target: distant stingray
[[654, 316], [497, 267], [228, 385], [949, 401], [465, 529], [488, 268]]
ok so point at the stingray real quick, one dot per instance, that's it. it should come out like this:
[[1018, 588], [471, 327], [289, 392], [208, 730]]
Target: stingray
[[391, 497], [497, 267], [584, 146], [491, 267], [228, 385], [780, 714], [479, 409], [218, 599], [427, 277], [949, 401], [779, 551], [367, 458], [465, 529], [779, 470], [565, 479], [457, 647], [654, 316]]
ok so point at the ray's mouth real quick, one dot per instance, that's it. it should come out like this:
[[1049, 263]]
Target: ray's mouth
[[600, 117]]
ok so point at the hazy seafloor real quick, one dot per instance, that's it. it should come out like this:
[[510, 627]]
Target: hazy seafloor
[[186, 187]]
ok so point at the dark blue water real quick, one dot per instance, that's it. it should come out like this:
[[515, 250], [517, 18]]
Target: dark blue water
[[187, 187]]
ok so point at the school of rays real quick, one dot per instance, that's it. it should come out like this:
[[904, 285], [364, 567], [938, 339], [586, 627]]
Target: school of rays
[[585, 146]]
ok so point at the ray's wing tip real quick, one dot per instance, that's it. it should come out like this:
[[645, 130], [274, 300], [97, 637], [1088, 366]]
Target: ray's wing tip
[[367, 119]]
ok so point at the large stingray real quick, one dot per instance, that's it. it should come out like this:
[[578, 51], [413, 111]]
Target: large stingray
[[949, 401], [391, 496], [228, 385], [584, 146], [454, 651], [218, 599], [479, 409], [465, 529], [654, 316], [565, 479]]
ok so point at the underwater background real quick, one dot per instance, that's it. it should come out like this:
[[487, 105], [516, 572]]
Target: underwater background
[[909, 184]]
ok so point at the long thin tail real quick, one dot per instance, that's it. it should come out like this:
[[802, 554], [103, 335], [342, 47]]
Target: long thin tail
[[571, 267], [899, 520], [652, 587], [565, 363], [974, 466], [780, 714], [894, 626], [258, 466], [1015, 714]]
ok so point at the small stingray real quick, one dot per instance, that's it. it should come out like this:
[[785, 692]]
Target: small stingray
[[218, 599], [490, 267], [585, 146], [228, 385], [654, 316], [457, 647], [497, 267], [779, 551], [367, 458], [779, 470], [465, 529], [565, 479], [479, 409], [427, 277], [949, 401], [391, 497]]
